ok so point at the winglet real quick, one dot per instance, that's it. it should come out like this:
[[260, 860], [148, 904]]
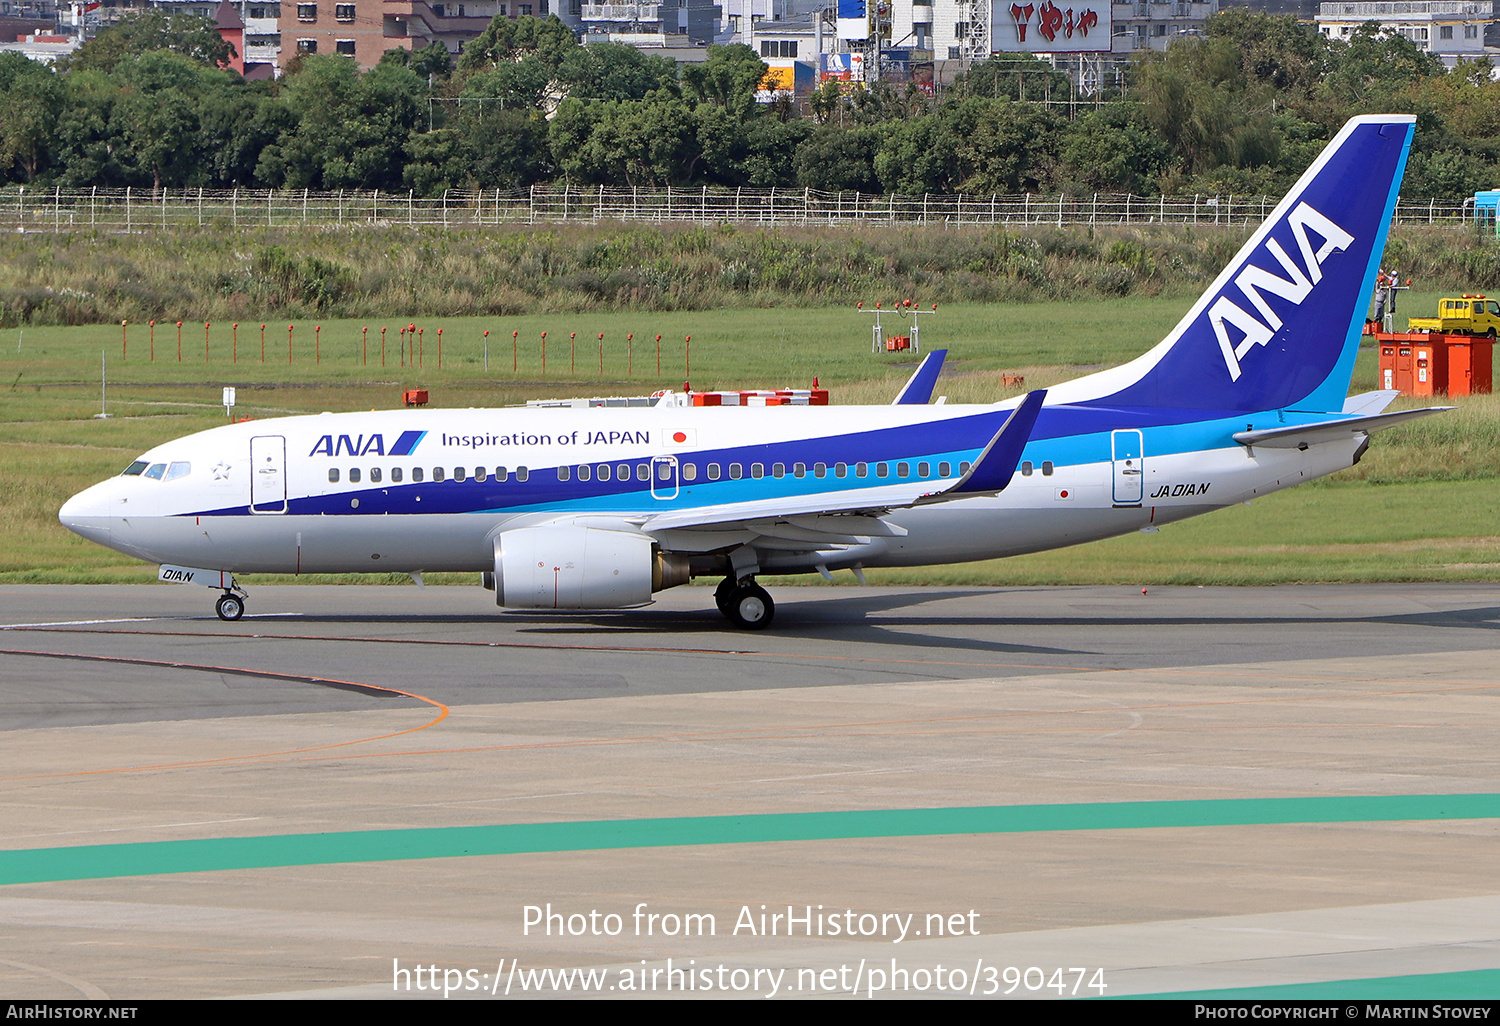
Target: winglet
[[918, 390], [997, 464]]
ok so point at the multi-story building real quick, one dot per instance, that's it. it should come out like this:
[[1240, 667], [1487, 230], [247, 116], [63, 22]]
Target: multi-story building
[[274, 31], [1449, 29], [666, 23], [971, 30], [1154, 25]]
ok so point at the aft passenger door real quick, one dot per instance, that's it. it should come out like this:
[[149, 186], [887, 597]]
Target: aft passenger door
[[1129, 468], [268, 474]]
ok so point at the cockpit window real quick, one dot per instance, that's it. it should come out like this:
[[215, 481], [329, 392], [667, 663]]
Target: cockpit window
[[156, 470], [134, 470], [176, 470]]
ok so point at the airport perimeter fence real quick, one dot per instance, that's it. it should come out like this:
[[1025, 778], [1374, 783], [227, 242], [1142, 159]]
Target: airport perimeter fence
[[56, 209]]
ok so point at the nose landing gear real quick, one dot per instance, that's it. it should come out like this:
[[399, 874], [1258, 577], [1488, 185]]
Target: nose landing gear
[[230, 606]]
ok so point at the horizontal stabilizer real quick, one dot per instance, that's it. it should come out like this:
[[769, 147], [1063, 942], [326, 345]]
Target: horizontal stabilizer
[[1367, 403], [918, 390], [1303, 435], [997, 464]]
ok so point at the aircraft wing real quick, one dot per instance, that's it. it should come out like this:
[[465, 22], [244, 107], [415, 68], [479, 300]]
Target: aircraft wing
[[816, 521], [918, 390], [1302, 435]]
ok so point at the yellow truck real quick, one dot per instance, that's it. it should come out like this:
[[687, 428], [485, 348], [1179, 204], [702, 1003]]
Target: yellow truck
[[1461, 315]]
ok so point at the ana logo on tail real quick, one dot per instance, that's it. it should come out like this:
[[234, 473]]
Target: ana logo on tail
[[1255, 281]]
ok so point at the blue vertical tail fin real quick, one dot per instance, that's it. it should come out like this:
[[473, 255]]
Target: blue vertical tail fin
[[1280, 326]]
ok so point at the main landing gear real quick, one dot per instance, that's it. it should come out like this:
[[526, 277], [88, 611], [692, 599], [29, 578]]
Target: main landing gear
[[230, 606], [745, 603]]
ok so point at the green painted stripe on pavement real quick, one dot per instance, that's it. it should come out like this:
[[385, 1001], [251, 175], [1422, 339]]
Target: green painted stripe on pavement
[[1478, 985], [89, 862]]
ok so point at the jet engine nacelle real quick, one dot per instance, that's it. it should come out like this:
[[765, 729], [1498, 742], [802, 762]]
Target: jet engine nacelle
[[580, 568]]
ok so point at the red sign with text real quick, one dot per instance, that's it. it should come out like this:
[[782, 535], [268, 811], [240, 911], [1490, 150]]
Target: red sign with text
[[1047, 28]]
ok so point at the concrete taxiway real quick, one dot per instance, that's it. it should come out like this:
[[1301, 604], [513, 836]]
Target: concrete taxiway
[[131, 717]]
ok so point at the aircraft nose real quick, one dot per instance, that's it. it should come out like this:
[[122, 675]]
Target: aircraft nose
[[88, 512]]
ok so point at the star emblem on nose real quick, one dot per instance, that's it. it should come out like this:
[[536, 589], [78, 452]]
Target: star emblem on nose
[[221, 471]]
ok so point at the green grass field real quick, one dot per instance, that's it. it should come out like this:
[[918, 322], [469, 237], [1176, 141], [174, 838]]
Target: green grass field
[[1423, 505]]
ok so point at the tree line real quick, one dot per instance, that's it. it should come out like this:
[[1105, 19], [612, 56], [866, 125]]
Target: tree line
[[1244, 109]]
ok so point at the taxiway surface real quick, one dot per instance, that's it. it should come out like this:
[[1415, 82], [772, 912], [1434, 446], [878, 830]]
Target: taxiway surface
[[133, 718]]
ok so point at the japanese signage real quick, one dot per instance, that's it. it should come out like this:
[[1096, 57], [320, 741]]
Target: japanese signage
[[1046, 27]]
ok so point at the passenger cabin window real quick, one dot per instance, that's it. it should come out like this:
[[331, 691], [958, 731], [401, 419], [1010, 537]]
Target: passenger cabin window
[[924, 469], [622, 472], [395, 475], [333, 475], [354, 475], [500, 474], [642, 472], [480, 474], [799, 470], [1026, 469], [840, 470], [604, 471], [374, 475], [437, 473], [1047, 468], [690, 471], [861, 469], [522, 473], [757, 471], [903, 470], [563, 473], [459, 473], [416, 473], [880, 470], [943, 469], [713, 472], [820, 470], [585, 472], [778, 470], [735, 473]]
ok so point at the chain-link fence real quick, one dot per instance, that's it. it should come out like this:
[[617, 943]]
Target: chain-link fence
[[58, 209]]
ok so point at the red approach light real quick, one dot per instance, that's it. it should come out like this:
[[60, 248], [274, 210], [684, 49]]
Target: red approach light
[[860, 305], [179, 324]]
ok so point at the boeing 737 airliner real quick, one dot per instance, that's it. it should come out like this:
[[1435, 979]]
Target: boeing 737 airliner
[[599, 508]]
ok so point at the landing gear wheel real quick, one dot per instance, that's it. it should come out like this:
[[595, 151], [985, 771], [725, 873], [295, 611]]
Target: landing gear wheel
[[722, 592], [230, 607], [750, 607]]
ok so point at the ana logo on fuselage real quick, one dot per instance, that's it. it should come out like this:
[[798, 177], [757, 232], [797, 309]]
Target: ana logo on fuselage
[[1255, 282], [358, 445]]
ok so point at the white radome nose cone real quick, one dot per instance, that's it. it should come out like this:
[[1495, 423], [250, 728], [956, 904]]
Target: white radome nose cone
[[87, 513]]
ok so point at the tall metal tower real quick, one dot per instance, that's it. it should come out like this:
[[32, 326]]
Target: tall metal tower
[[976, 45]]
